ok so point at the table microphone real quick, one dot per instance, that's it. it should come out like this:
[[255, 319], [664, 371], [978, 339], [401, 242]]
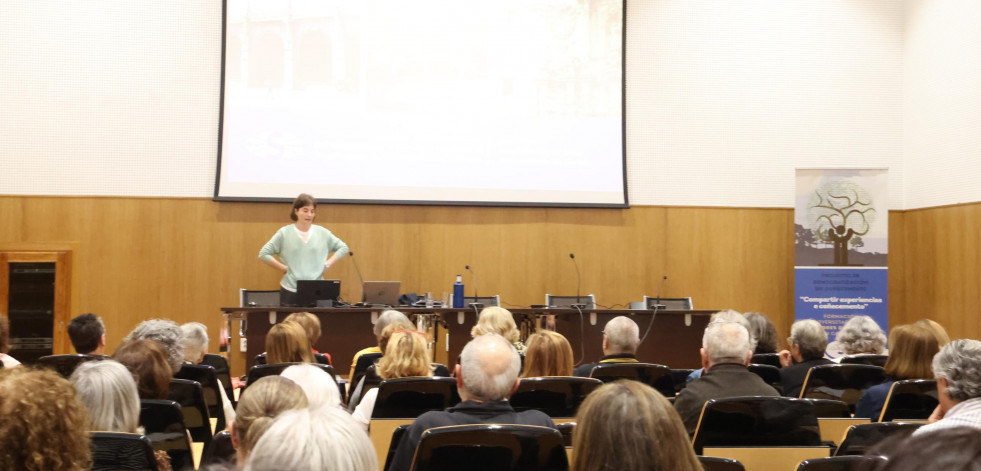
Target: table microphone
[[359, 274], [660, 289], [579, 303], [473, 279]]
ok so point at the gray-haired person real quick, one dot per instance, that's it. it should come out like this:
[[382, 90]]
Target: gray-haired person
[[957, 368]]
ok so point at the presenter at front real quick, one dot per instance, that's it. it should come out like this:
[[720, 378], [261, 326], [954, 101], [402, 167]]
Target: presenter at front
[[302, 248]]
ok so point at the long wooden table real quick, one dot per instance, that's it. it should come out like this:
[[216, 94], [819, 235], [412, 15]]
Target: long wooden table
[[674, 339]]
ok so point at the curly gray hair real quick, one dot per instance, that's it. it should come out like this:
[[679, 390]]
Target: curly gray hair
[[165, 332], [959, 362], [861, 335]]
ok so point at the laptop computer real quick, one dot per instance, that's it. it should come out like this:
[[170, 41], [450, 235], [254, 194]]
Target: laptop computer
[[381, 292], [309, 292]]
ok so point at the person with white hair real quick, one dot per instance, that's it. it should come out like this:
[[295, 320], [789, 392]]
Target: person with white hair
[[486, 376], [321, 438], [806, 346], [386, 318], [957, 368], [320, 388], [729, 315], [726, 351], [167, 334], [621, 336], [860, 335], [195, 342]]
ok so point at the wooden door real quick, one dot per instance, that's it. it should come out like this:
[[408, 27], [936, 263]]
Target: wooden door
[[62, 289]]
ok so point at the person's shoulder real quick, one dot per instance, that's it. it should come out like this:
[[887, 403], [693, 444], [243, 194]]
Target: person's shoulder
[[536, 417], [321, 230], [583, 370]]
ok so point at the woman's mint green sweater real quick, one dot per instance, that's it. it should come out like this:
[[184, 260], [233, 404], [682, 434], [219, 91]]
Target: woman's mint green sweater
[[305, 260]]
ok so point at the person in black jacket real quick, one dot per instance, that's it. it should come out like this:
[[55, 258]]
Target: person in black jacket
[[806, 344]]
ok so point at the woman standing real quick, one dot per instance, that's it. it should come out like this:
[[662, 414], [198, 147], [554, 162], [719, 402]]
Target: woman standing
[[302, 248]]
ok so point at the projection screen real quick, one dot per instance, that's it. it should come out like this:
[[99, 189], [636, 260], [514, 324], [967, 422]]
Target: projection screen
[[496, 102]]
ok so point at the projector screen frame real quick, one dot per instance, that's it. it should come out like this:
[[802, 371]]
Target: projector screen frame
[[623, 147]]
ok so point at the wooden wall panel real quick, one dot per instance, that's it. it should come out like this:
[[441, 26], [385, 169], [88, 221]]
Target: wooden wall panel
[[183, 259]]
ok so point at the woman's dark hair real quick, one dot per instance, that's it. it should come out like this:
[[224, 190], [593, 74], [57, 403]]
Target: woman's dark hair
[[301, 201]]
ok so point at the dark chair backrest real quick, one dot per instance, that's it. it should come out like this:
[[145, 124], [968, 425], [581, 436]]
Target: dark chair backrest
[[861, 437], [164, 425], [679, 376], [841, 463], [361, 366], [656, 376], [258, 372], [830, 408], [491, 447], [772, 359], [714, 463], [397, 435], [220, 451], [769, 373], [864, 359], [842, 382], [220, 364], [368, 381], [321, 358], [208, 378], [190, 395], [112, 451], [65, 364], [757, 421], [556, 396], [408, 398], [910, 399], [566, 429]]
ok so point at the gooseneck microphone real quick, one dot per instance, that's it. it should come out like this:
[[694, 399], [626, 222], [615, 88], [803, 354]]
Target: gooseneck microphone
[[359, 274], [660, 289], [473, 279], [578, 278]]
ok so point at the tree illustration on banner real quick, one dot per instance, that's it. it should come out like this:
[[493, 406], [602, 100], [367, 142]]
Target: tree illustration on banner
[[838, 213]]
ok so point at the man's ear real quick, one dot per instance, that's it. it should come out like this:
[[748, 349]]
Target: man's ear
[[514, 388], [705, 358], [102, 340], [458, 372], [749, 358]]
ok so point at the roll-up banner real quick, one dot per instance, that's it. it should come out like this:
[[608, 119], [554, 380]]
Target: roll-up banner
[[841, 222]]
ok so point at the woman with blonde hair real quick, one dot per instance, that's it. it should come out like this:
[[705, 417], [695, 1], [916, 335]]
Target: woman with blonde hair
[[287, 342], [628, 426], [311, 325], [911, 351], [406, 355], [497, 320], [259, 405], [549, 354]]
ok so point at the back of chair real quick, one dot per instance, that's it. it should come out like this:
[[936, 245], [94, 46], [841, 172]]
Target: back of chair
[[910, 399], [113, 451], [556, 396], [769, 373], [364, 361], [208, 378], [190, 396], [408, 398], [679, 376], [714, 463], [220, 451], [566, 429], [258, 372], [841, 382], [862, 437], [841, 463], [656, 376], [491, 447], [321, 358], [864, 359], [164, 425], [65, 364], [757, 421], [220, 364], [830, 408], [772, 359]]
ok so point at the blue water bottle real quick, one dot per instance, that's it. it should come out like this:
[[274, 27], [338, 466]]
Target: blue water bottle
[[458, 292]]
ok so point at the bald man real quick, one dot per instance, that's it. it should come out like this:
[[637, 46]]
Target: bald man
[[621, 336], [486, 376]]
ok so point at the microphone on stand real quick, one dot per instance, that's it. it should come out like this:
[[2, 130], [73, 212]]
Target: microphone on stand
[[359, 274], [660, 289], [579, 303], [476, 304]]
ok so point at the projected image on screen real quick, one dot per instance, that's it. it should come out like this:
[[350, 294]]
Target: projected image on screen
[[502, 101]]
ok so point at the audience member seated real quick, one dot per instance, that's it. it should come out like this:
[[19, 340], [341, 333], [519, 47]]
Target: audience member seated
[[486, 375], [88, 334], [7, 360], [620, 339], [387, 317], [42, 422], [166, 333], [406, 355], [728, 315], [911, 351], [948, 449], [958, 371], [311, 325], [936, 328], [629, 426], [147, 361], [859, 335], [259, 405], [763, 331], [726, 350], [321, 439], [500, 321], [807, 343], [287, 342], [109, 393], [319, 387], [195, 341], [548, 354]]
